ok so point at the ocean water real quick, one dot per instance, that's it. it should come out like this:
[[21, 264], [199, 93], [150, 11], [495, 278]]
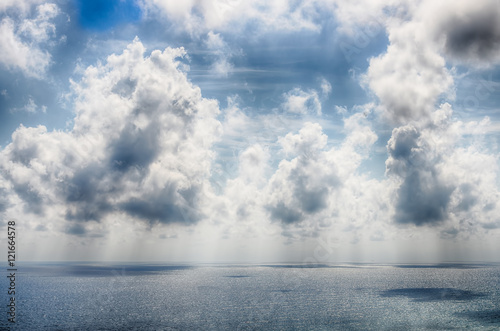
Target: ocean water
[[255, 297]]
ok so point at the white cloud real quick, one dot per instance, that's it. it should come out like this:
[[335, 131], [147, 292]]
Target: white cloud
[[30, 107], [326, 87], [298, 101], [309, 140], [242, 198], [410, 76], [314, 189], [438, 183], [148, 156], [221, 53], [23, 41], [428, 161], [234, 15], [40, 29], [19, 5]]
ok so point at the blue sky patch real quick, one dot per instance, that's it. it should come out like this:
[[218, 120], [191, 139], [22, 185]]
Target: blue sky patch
[[103, 15]]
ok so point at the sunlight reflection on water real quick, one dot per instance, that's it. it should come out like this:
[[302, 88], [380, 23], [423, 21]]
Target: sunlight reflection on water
[[134, 297]]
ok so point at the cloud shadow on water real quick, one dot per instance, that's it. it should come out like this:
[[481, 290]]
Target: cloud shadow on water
[[486, 317], [423, 294], [99, 270]]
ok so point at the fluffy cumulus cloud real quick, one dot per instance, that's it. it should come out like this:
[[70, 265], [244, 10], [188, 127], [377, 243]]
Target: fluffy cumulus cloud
[[298, 101], [410, 76], [301, 186], [466, 32], [428, 158], [438, 183], [313, 188], [25, 39], [239, 206], [140, 146], [423, 197]]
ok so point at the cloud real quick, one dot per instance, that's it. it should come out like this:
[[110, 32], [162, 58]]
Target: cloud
[[23, 41], [468, 32], [320, 190], [409, 79], [17, 5], [302, 185], [437, 183], [326, 87], [242, 196], [307, 185], [423, 197], [147, 156], [222, 54], [410, 76], [350, 15], [315, 188], [298, 101], [236, 15], [309, 141], [30, 107]]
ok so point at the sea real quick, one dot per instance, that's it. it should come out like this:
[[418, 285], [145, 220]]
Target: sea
[[145, 296]]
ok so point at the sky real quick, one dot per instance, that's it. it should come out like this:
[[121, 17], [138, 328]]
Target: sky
[[232, 131]]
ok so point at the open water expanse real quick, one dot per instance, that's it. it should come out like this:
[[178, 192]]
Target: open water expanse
[[254, 297]]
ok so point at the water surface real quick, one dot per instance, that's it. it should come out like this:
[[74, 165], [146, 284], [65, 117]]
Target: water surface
[[252, 297]]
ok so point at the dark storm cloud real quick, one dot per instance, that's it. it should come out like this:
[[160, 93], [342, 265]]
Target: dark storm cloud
[[171, 205], [135, 147], [85, 195], [405, 142], [423, 198], [474, 36], [311, 199], [76, 229], [83, 186], [285, 214]]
